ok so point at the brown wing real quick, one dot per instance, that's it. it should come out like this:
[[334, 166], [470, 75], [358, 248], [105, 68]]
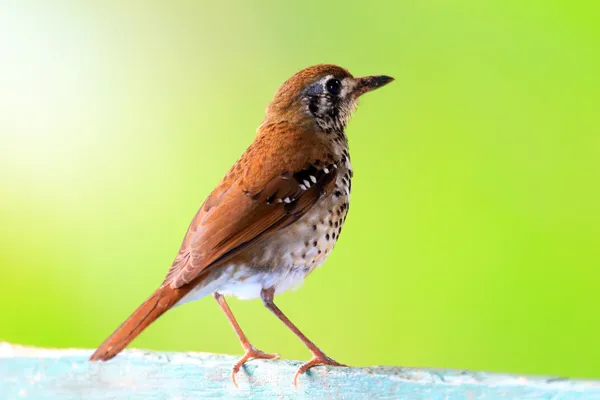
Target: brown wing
[[252, 203]]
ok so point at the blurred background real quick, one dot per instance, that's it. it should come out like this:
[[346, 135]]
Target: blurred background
[[473, 236]]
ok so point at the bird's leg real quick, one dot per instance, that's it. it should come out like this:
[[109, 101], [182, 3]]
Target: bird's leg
[[319, 358], [250, 352]]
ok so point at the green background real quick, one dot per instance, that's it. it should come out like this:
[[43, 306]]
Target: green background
[[473, 236]]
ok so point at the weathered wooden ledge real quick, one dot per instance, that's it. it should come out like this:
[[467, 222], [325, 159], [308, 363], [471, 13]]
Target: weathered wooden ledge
[[135, 374]]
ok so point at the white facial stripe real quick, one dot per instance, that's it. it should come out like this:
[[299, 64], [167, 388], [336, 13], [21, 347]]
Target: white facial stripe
[[348, 85], [323, 82]]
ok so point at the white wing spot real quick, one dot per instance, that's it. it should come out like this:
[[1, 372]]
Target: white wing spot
[[313, 179], [307, 183], [302, 187], [326, 170], [287, 200]]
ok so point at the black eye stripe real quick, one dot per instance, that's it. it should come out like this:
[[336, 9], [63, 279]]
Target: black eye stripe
[[326, 105], [313, 106]]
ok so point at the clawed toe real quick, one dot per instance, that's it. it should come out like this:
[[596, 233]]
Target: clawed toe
[[251, 354], [318, 359]]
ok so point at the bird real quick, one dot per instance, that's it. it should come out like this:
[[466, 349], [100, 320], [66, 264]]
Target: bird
[[274, 217]]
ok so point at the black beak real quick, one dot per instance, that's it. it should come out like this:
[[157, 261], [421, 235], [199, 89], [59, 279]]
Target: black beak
[[368, 83]]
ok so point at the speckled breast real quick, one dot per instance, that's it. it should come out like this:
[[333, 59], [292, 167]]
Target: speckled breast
[[284, 261], [308, 242], [294, 252]]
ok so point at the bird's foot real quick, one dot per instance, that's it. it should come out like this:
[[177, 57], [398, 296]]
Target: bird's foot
[[318, 359], [251, 354]]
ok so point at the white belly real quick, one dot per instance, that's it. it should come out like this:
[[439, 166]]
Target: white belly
[[246, 283]]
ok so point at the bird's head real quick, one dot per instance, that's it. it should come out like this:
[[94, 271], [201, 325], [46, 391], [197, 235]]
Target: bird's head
[[325, 95]]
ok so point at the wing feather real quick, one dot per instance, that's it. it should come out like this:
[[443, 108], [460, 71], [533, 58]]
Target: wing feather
[[242, 212]]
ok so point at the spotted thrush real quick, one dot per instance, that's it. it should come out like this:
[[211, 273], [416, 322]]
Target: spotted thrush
[[274, 217]]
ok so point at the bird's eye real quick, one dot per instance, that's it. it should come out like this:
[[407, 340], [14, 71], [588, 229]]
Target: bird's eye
[[334, 86]]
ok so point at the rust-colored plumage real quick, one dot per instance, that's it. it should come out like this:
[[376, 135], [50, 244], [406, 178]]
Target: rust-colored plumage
[[238, 212], [276, 214]]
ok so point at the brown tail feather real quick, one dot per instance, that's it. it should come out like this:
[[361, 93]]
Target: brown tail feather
[[163, 299]]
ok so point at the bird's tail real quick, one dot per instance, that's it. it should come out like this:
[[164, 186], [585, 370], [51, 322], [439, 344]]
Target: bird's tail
[[161, 300]]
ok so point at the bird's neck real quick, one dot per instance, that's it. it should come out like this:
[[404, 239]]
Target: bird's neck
[[308, 136], [339, 140]]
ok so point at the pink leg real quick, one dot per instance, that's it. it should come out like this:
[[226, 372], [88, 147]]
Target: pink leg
[[250, 351], [319, 358]]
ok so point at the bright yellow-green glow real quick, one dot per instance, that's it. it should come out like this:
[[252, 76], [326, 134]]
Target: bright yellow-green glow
[[473, 236]]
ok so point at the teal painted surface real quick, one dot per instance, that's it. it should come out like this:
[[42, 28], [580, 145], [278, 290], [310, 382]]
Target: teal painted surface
[[66, 374]]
